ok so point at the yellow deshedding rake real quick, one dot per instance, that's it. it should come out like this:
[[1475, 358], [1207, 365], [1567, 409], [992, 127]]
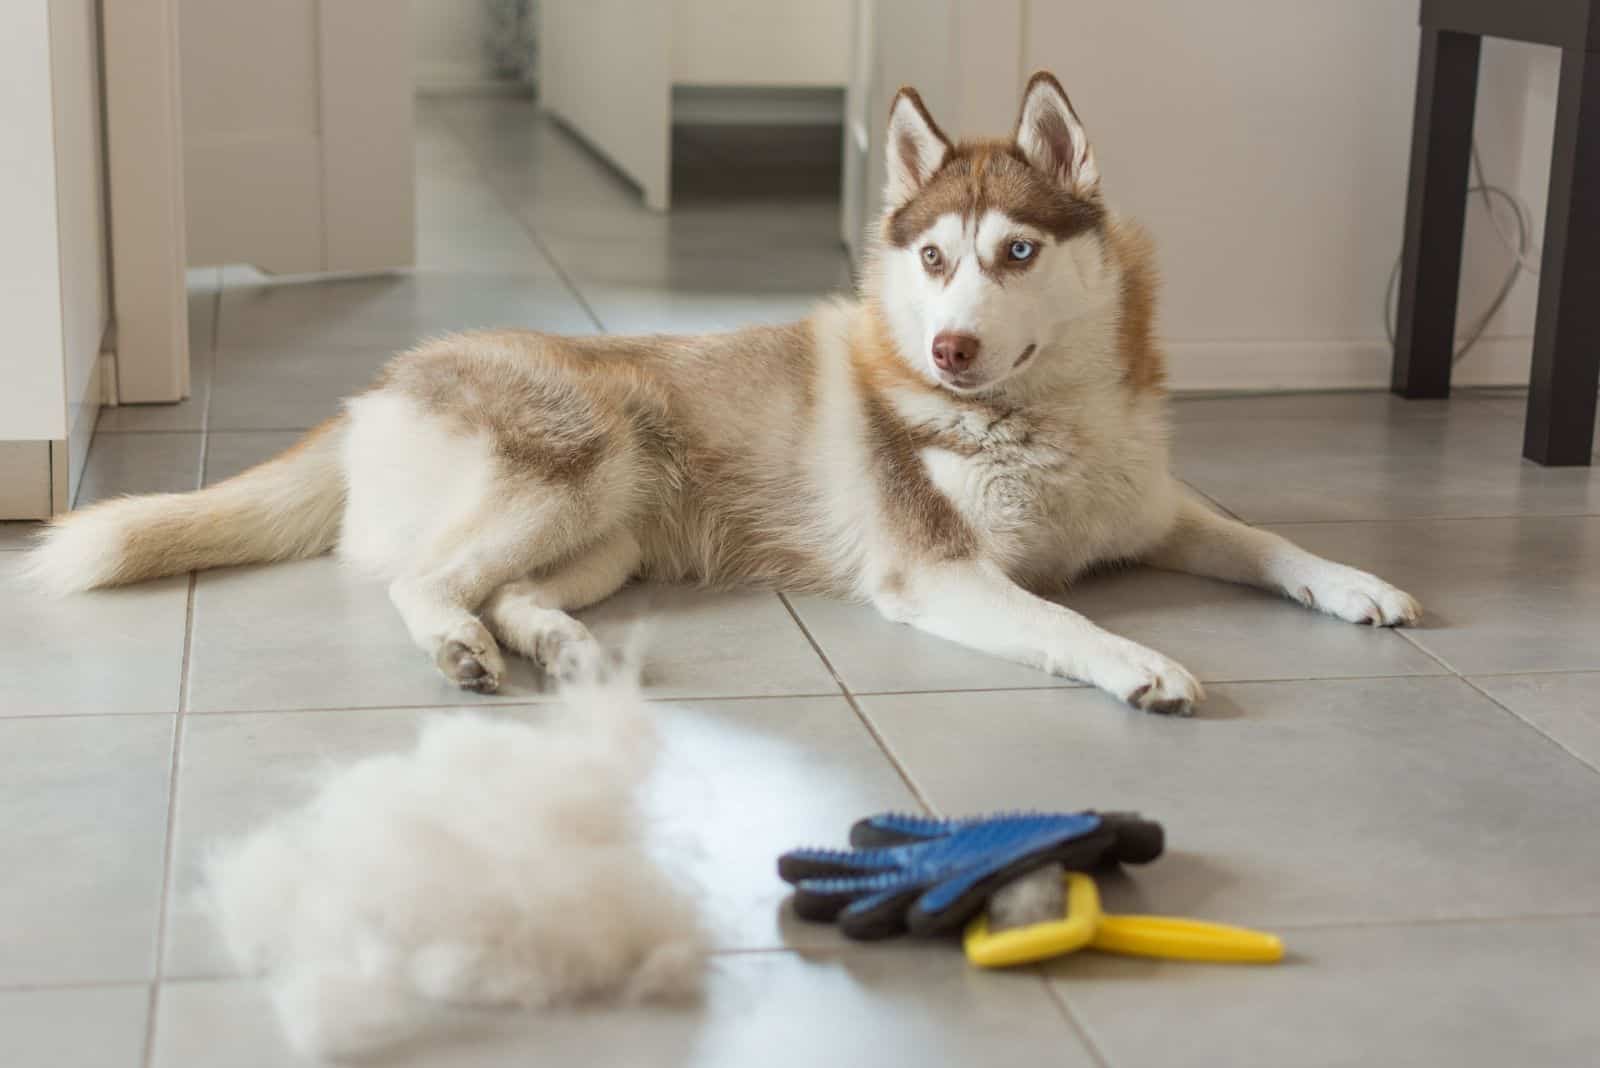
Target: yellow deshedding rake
[[1084, 925]]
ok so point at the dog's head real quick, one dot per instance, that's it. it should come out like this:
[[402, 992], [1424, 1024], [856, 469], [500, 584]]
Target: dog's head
[[989, 248]]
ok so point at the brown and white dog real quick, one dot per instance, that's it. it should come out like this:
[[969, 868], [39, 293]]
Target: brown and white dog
[[986, 420]]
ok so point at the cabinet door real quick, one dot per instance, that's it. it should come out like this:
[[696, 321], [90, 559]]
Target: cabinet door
[[297, 133]]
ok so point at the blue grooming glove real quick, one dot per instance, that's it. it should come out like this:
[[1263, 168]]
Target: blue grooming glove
[[929, 875]]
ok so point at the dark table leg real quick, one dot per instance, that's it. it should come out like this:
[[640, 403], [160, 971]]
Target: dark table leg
[[1566, 335], [1436, 209]]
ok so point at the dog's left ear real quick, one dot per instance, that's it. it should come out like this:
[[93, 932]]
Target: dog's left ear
[[1052, 139]]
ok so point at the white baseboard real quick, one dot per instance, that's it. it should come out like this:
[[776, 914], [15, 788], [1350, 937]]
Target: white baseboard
[[1281, 366]]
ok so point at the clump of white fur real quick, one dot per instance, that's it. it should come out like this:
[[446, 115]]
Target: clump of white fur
[[499, 863]]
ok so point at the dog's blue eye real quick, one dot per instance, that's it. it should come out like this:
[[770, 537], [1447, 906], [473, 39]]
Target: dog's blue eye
[[1022, 250]]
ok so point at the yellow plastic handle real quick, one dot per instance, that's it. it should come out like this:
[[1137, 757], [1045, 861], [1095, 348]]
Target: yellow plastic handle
[[1179, 939]]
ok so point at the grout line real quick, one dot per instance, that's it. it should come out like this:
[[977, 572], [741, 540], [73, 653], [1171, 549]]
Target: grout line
[[153, 1007], [1525, 674], [1404, 633], [538, 701], [1078, 1027], [555, 265], [1218, 505], [866, 720], [1540, 731], [154, 1004], [486, 706], [1434, 921], [847, 948], [75, 984], [1420, 519], [534, 236], [1080, 687]]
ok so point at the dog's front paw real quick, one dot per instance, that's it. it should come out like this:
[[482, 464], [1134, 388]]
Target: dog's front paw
[[1141, 677], [1358, 597]]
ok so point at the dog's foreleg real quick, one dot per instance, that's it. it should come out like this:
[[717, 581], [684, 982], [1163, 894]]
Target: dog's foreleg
[[975, 604], [1203, 542]]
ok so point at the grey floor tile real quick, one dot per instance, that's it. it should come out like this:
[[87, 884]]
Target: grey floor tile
[[872, 654], [348, 649], [1222, 631], [230, 452], [236, 772], [85, 802], [311, 634], [716, 262], [393, 311], [439, 152], [289, 388], [701, 643], [892, 1006], [107, 651], [1217, 630], [642, 310], [462, 225], [188, 414], [738, 782], [81, 1027], [691, 281], [741, 781], [120, 464], [1476, 995], [1566, 707], [1284, 803], [1499, 595], [1347, 456], [17, 535]]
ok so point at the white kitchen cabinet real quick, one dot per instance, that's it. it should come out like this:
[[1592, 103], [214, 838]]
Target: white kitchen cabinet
[[53, 259], [297, 134]]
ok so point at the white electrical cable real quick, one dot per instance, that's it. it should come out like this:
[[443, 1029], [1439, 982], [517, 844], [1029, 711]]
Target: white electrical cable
[[1523, 253]]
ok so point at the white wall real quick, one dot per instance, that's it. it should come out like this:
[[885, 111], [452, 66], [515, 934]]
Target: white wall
[[1266, 146], [744, 42]]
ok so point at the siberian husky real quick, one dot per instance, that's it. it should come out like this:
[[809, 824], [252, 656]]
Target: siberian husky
[[985, 422]]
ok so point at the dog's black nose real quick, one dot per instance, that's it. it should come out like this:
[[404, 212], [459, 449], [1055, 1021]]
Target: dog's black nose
[[954, 352]]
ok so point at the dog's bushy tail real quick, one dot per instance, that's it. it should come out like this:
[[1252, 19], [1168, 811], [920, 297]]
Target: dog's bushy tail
[[284, 509]]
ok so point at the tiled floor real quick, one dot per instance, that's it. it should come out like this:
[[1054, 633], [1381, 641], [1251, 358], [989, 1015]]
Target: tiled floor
[[1414, 811]]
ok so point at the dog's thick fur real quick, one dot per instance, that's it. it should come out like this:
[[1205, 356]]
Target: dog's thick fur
[[988, 419], [498, 863]]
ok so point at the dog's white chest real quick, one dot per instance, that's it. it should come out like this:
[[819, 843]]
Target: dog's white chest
[[1049, 502]]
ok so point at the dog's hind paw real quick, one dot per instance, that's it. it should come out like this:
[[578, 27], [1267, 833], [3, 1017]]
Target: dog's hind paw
[[568, 652], [470, 659]]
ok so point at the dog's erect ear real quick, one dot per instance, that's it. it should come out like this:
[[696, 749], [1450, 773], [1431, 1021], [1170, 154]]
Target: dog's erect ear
[[916, 147], [1052, 139]]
